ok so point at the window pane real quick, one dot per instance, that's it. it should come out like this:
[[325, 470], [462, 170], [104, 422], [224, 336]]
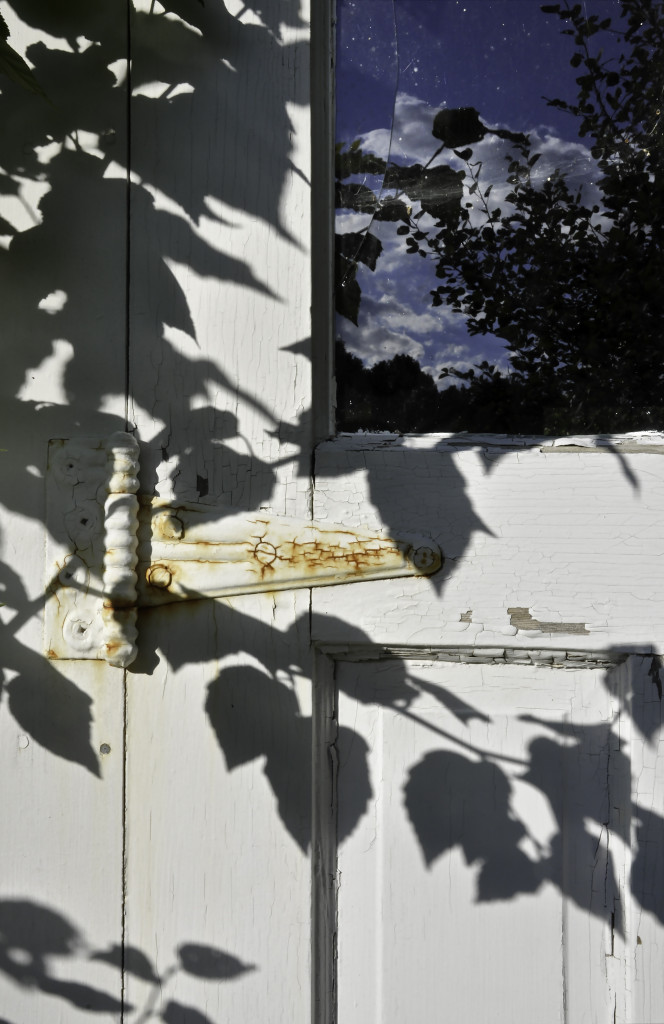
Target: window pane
[[499, 215]]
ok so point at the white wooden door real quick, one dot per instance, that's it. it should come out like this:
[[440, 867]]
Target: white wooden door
[[205, 836]]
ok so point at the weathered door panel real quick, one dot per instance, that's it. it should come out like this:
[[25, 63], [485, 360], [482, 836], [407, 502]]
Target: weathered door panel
[[486, 874]]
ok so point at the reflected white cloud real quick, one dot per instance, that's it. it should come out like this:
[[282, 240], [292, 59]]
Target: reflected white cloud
[[396, 313]]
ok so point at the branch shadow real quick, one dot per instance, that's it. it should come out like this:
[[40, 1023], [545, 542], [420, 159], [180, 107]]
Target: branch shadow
[[65, 282], [35, 939]]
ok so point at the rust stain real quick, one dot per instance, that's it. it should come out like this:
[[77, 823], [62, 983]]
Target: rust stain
[[111, 646], [313, 556], [167, 525], [160, 576], [522, 619]]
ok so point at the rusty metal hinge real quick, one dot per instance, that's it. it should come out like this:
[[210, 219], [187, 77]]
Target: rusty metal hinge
[[110, 552]]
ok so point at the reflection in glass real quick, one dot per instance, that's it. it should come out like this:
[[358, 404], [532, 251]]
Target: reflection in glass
[[499, 215]]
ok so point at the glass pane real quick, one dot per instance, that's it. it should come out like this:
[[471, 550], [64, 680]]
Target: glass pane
[[499, 215]]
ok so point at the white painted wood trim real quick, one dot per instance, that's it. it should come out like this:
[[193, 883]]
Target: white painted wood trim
[[648, 441]]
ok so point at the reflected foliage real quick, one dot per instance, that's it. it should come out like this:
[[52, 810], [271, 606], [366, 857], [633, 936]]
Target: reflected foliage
[[566, 275], [398, 395]]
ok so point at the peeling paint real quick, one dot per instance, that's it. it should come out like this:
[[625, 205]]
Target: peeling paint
[[522, 619]]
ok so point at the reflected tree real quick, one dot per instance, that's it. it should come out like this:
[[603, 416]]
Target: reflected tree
[[567, 275]]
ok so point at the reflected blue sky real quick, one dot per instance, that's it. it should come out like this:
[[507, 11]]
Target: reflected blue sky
[[398, 62]]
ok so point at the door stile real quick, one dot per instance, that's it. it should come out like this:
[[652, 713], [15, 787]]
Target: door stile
[[63, 376], [220, 392], [324, 841]]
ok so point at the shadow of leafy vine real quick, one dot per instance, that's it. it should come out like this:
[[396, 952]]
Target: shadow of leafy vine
[[33, 937], [94, 228]]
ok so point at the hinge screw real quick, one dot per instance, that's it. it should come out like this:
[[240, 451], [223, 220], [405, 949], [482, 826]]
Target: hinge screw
[[423, 558], [159, 576], [169, 525], [265, 552]]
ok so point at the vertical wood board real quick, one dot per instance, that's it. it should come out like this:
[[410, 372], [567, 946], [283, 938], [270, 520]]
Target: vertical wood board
[[219, 703], [63, 271]]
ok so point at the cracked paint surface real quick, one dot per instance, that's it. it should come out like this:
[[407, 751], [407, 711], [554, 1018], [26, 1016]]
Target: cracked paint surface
[[571, 537]]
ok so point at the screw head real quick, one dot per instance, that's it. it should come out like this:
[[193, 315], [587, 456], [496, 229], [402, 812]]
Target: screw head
[[424, 558], [265, 552], [169, 525], [78, 633], [159, 576]]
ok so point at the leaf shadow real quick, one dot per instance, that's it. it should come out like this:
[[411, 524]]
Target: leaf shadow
[[34, 936]]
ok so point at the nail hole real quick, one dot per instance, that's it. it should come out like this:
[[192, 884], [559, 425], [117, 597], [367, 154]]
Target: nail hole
[[105, 748]]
